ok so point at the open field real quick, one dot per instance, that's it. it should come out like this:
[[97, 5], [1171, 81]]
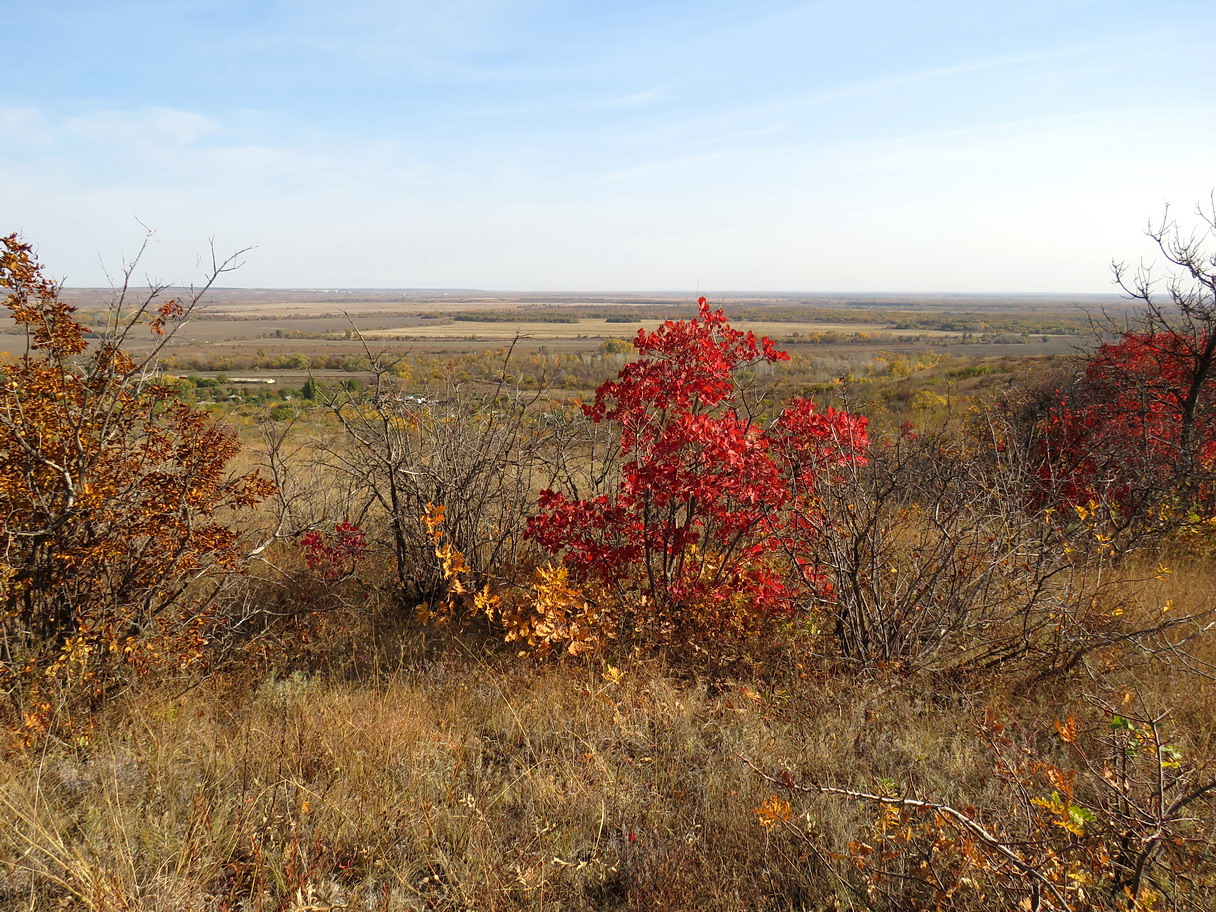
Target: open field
[[595, 329], [270, 301], [253, 350], [251, 328]]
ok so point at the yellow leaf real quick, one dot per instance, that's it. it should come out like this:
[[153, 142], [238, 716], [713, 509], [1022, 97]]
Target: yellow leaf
[[775, 810]]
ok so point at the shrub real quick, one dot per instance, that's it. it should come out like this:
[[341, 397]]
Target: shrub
[[1137, 432], [697, 542], [481, 453], [1112, 817], [114, 497], [334, 555]]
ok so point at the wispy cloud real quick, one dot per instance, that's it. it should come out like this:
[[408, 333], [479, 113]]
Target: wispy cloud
[[874, 86], [152, 126], [633, 100], [668, 164], [574, 103], [509, 139], [23, 125], [171, 145]]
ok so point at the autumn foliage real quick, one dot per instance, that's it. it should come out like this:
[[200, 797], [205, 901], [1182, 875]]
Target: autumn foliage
[[334, 554], [1138, 432], [704, 537], [114, 496]]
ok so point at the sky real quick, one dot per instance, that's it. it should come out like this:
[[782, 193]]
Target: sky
[[700, 145]]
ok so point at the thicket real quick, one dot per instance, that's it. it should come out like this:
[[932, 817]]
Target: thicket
[[705, 536], [114, 498], [696, 522]]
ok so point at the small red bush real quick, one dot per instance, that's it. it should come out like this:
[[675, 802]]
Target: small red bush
[[705, 535], [1140, 429], [335, 554]]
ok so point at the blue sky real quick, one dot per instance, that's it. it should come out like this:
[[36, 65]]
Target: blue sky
[[926, 145]]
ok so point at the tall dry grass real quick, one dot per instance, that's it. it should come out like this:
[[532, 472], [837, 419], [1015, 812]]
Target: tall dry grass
[[351, 765], [467, 781]]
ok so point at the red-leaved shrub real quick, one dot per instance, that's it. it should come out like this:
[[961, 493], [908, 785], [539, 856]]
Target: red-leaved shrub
[[705, 537], [1138, 432]]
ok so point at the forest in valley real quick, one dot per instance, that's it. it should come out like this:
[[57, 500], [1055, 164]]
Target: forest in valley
[[682, 621]]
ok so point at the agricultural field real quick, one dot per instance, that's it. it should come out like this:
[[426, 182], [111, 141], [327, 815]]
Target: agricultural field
[[285, 335]]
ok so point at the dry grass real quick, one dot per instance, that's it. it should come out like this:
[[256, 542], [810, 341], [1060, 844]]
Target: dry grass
[[474, 783], [459, 786]]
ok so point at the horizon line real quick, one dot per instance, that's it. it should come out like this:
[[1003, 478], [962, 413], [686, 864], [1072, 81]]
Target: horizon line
[[693, 295]]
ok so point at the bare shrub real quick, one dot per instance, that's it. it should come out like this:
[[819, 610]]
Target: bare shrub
[[941, 560], [483, 453]]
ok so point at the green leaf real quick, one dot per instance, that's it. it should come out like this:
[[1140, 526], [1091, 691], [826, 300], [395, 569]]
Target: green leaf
[[1080, 815]]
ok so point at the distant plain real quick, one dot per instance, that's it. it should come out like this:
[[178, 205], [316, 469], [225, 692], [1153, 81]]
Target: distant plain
[[238, 323]]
